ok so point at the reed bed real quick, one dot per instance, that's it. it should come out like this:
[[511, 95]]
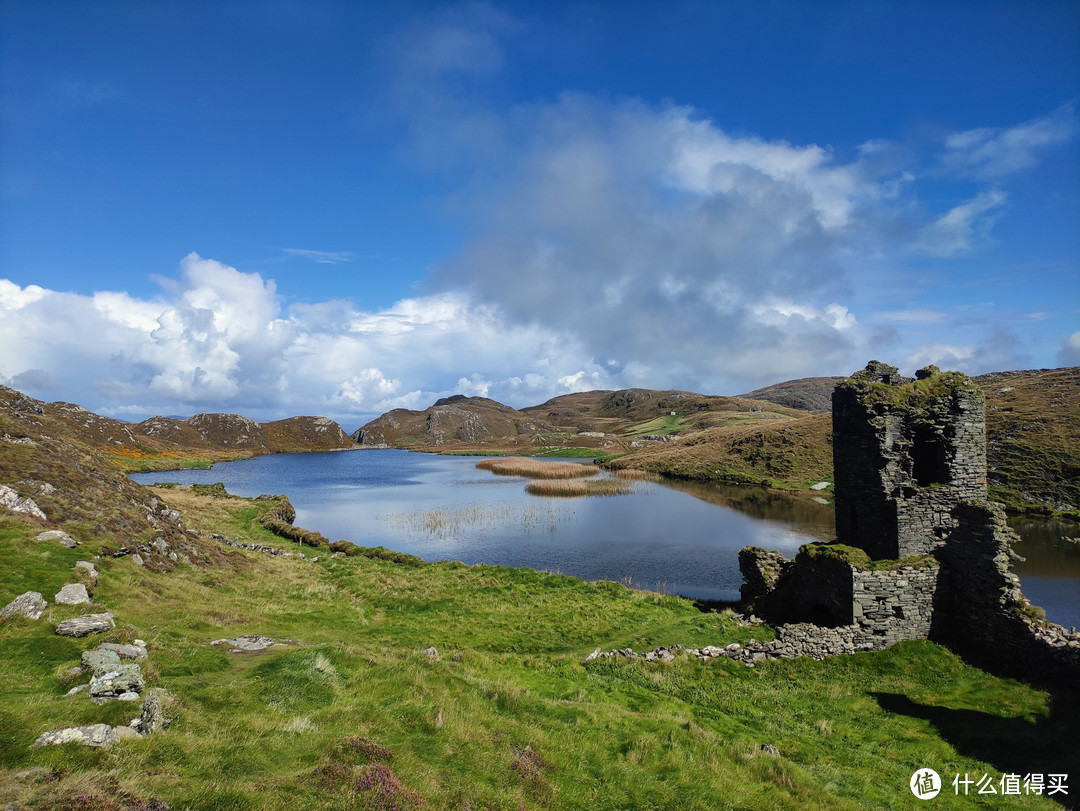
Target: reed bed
[[573, 488], [633, 474], [448, 521], [536, 469]]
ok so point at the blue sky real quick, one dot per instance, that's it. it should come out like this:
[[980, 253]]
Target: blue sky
[[341, 208]]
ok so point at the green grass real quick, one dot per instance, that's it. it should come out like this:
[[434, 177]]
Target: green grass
[[507, 718], [663, 425]]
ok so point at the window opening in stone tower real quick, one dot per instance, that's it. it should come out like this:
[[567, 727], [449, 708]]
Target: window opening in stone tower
[[928, 458]]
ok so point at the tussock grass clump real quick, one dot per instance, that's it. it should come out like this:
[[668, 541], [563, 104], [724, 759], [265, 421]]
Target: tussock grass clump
[[571, 488], [358, 750], [535, 469]]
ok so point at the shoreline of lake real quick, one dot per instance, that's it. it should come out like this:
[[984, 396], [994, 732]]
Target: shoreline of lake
[[673, 536]]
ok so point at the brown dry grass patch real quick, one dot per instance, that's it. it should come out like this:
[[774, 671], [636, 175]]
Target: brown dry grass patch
[[633, 474], [535, 468], [571, 488]]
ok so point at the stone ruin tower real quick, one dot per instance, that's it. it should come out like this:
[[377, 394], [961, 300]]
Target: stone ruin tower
[[920, 553], [904, 456]]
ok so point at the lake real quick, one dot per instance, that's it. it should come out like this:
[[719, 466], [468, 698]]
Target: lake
[[678, 537]]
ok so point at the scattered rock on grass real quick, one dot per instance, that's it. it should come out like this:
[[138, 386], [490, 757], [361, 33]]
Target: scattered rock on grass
[[58, 535], [85, 626], [30, 604], [157, 711], [431, 654], [100, 661], [134, 652], [89, 568], [248, 642], [72, 594], [96, 735], [123, 683]]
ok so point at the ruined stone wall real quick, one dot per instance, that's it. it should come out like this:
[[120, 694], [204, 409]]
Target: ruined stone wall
[[895, 605], [921, 552], [983, 614], [904, 454]]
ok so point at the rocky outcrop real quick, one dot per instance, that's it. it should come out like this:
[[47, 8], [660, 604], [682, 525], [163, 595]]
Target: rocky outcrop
[[11, 500]]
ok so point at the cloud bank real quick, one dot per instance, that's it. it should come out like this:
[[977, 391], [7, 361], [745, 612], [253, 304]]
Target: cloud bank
[[605, 244]]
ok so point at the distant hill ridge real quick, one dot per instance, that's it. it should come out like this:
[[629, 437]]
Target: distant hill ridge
[[779, 434], [603, 421], [154, 441]]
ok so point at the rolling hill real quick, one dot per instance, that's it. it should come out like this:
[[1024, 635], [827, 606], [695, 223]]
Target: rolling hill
[[160, 443]]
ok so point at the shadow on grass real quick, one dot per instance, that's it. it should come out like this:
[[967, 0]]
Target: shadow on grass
[[1010, 745], [715, 606]]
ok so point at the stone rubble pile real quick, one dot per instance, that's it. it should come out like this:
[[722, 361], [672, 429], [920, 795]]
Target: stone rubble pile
[[252, 642], [792, 641], [273, 551]]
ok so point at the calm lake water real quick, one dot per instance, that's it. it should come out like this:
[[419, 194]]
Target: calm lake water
[[683, 538]]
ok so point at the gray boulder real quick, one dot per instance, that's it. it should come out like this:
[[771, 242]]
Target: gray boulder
[[100, 661], [125, 733], [30, 604], [17, 504], [72, 594], [134, 652], [89, 568], [96, 735], [116, 682], [58, 535], [157, 711], [85, 626], [247, 642]]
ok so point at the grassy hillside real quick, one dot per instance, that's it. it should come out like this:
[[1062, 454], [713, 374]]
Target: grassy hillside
[[788, 453], [1033, 443], [351, 712], [354, 714], [584, 424], [812, 394], [1033, 437]]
